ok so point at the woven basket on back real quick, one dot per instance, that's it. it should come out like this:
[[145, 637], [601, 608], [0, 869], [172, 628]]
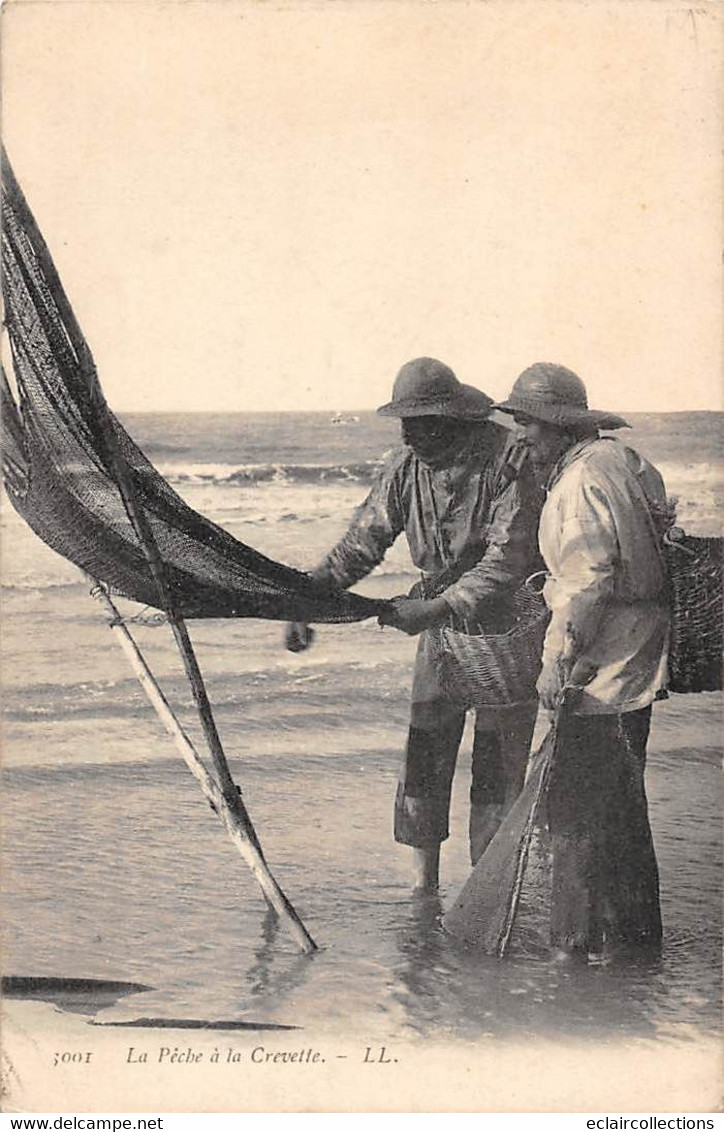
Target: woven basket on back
[[499, 668], [694, 567]]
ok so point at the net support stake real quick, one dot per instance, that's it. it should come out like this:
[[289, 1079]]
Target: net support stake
[[229, 806]]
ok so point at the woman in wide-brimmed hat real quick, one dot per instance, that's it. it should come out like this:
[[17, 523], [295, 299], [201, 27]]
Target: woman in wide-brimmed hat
[[556, 395], [600, 536], [454, 488]]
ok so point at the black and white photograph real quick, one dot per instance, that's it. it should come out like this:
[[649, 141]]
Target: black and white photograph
[[361, 556]]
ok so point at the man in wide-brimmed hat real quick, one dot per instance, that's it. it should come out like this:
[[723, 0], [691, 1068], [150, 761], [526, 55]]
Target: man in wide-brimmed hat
[[456, 489], [600, 536]]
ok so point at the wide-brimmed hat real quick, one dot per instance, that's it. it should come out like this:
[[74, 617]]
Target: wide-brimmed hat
[[426, 387], [552, 393]]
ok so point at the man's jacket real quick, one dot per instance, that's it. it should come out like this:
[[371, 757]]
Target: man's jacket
[[476, 519]]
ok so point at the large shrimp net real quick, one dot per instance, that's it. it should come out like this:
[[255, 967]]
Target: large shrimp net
[[62, 448]]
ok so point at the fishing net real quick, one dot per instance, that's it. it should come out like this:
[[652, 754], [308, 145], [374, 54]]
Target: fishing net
[[62, 450], [484, 912], [573, 859]]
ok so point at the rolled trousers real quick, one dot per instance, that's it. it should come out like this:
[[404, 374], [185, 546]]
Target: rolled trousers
[[500, 755]]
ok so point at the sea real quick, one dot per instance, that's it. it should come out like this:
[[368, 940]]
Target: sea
[[115, 867]]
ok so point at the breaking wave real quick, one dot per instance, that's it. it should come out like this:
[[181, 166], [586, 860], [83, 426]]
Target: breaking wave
[[273, 473]]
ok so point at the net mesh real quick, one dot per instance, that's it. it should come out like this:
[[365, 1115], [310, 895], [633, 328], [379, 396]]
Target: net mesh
[[61, 452]]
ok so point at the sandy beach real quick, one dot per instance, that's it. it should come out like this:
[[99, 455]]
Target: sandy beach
[[258, 1073]]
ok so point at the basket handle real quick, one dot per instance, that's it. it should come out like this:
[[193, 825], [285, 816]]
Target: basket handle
[[531, 579], [674, 538]]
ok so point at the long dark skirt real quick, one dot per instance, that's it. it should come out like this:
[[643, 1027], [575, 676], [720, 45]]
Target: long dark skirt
[[605, 877]]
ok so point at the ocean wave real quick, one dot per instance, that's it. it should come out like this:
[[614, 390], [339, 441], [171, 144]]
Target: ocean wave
[[271, 473], [697, 484], [294, 512], [297, 695], [698, 489], [41, 584]]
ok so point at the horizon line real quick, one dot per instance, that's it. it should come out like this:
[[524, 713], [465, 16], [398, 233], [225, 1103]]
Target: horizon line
[[372, 412]]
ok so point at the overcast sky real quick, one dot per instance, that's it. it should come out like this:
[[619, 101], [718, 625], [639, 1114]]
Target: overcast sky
[[273, 206]]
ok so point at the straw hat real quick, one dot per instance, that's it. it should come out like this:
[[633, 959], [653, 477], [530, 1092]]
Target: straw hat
[[426, 387], [552, 393]]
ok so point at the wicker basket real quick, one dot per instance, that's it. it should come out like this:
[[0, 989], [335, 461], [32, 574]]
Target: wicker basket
[[694, 567], [500, 668], [496, 669]]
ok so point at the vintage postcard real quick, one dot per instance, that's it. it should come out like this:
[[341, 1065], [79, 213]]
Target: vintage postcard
[[232, 232]]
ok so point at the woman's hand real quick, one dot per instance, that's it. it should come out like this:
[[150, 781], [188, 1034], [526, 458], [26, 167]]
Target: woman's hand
[[549, 686], [551, 681]]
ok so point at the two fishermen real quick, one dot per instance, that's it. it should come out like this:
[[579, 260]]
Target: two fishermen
[[469, 505]]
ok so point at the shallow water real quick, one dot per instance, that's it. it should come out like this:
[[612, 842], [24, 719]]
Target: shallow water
[[122, 871], [115, 867]]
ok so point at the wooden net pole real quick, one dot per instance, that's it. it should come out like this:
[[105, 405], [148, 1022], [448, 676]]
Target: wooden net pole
[[229, 806]]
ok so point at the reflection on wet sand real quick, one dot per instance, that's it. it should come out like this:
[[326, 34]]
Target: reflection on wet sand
[[436, 978], [291, 970]]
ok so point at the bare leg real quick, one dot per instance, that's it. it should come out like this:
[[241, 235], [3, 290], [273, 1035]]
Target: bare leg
[[426, 868], [422, 802]]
